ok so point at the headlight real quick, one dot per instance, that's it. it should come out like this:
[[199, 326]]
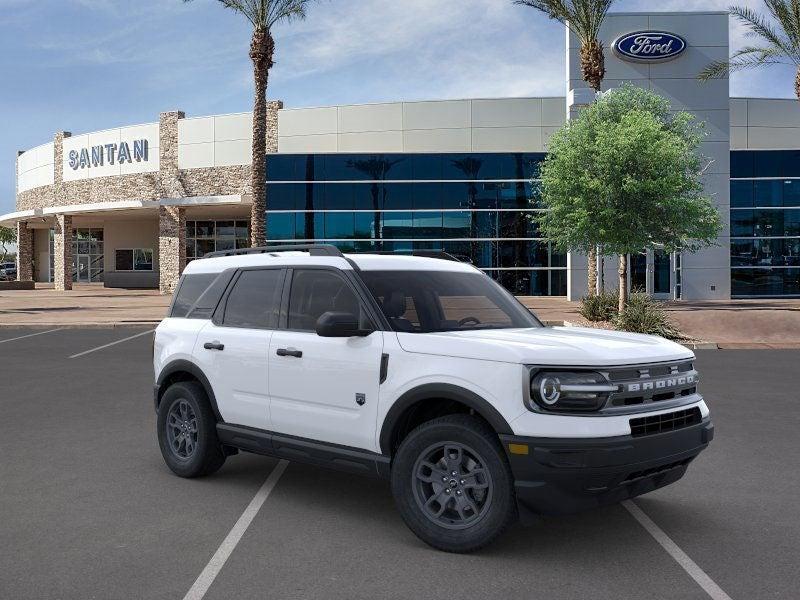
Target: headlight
[[570, 391]]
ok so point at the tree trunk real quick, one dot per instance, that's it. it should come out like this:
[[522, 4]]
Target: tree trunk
[[262, 48], [797, 84], [623, 282], [593, 64], [593, 70]]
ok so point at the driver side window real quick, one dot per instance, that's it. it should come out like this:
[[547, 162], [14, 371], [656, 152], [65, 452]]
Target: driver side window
[[317, 291]]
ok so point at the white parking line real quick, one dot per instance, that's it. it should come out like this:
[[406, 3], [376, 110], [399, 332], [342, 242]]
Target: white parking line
[[694, 571], [214, 566], [22, 337], [112, 344]]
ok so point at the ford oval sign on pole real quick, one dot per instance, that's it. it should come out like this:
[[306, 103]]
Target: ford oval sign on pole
[[649, 46]]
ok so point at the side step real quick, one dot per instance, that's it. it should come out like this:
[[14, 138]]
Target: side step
[[333, 456]]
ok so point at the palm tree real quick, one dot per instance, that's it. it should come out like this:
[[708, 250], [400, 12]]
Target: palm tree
[[584, 19], [779, 41], [262, 15], [377, 169]]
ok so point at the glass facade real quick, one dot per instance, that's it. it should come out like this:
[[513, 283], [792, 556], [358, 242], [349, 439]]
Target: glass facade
[[209, 236], [765, 223], [476, 206]]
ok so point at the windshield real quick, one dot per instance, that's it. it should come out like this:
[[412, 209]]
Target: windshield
[[429, 301]]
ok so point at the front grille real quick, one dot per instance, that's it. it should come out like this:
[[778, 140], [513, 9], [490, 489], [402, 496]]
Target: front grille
[[665, 422], [647, 384]]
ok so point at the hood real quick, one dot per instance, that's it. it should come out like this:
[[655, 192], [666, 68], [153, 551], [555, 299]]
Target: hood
[[563, 346]]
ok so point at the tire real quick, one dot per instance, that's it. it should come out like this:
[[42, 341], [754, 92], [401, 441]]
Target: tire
[[467, 511], [200, 453]]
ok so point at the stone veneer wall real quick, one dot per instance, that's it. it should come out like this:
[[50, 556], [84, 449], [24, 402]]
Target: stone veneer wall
[[171, 246], [169, 182], [62, 250], [24, 252]]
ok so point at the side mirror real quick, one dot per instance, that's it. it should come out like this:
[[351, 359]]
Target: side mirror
[[340, 324]]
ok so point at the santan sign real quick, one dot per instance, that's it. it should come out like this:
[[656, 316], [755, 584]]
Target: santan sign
[[97, 156], [649, 46]]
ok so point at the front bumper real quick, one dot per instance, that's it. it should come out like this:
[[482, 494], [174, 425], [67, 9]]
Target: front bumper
[[562, 476]]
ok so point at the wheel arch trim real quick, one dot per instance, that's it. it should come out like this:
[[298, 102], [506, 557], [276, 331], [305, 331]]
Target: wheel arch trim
[[444, 391], [185, 366]]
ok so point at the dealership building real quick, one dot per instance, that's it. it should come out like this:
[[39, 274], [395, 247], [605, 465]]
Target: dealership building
[[128, 207]]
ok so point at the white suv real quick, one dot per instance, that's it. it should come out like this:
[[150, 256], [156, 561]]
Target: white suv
[[426, 372]]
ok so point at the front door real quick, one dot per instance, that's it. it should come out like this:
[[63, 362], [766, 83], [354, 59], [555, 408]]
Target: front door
[[232, 349], [324, 388], [83, 269]]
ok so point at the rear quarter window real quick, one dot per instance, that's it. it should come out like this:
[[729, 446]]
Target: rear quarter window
[[190, 289]]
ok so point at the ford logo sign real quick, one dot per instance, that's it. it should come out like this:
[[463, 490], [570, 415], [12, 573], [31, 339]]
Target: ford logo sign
[[649, 46]]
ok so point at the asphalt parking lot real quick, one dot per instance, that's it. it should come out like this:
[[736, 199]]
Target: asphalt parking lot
[[88, 509]]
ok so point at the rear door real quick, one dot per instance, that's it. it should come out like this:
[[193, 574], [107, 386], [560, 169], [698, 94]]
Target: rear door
[[321, 388], [232, 348]]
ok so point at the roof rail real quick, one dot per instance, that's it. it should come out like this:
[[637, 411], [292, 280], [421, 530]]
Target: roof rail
[[312, 249], [441, 254]]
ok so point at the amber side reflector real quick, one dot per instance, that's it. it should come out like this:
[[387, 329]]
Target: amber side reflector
[[518, 448]]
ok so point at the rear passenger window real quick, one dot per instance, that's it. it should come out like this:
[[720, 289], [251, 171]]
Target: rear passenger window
[[192, 286], [254, 301]]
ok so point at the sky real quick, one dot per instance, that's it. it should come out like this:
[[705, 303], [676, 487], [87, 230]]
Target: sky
[[86, 65]]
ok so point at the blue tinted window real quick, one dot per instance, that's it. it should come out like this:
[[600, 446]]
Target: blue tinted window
[[398, 225], [778, 253], [791, 193], [280, 226], [741, 194], [427, 225], [484, 195], [768, 163], [281, 167], [426, 166], [339, 225], [742, 164], [768, 193], [367, 196], [397, 196], [765, 282], [365, 225], [339, 196], [426, 195], [457, 224], [455, 195], [282, 196], [742, 223]]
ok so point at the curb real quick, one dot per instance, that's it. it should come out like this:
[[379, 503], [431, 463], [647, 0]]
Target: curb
[[96, 325]]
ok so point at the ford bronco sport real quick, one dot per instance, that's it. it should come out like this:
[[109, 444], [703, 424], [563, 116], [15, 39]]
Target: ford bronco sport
[[423, 371]]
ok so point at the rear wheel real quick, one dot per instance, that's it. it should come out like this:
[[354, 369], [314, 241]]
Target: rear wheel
[[452, 484], [187, 431]]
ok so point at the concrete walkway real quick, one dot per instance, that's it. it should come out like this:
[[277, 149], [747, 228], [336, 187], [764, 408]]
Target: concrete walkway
[[732, 324], [86, 305]]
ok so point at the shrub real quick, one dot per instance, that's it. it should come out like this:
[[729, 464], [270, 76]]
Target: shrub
[[645, 315], [601, 307]]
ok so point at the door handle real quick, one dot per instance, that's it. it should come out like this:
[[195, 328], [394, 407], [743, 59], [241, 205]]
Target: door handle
[[215, 345], [290, 352]]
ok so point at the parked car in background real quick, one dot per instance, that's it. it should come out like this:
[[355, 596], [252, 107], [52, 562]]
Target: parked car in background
[[8, 271]]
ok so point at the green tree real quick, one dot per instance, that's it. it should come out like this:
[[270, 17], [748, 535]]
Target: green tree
[[778, 40], [263, 15], [626, 175], [8, 236], [584, 19]]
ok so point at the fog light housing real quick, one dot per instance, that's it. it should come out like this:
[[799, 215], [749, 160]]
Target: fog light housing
[[570, 391]]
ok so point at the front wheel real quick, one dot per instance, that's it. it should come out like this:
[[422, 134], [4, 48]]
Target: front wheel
[[187, 431], [452, 484]]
